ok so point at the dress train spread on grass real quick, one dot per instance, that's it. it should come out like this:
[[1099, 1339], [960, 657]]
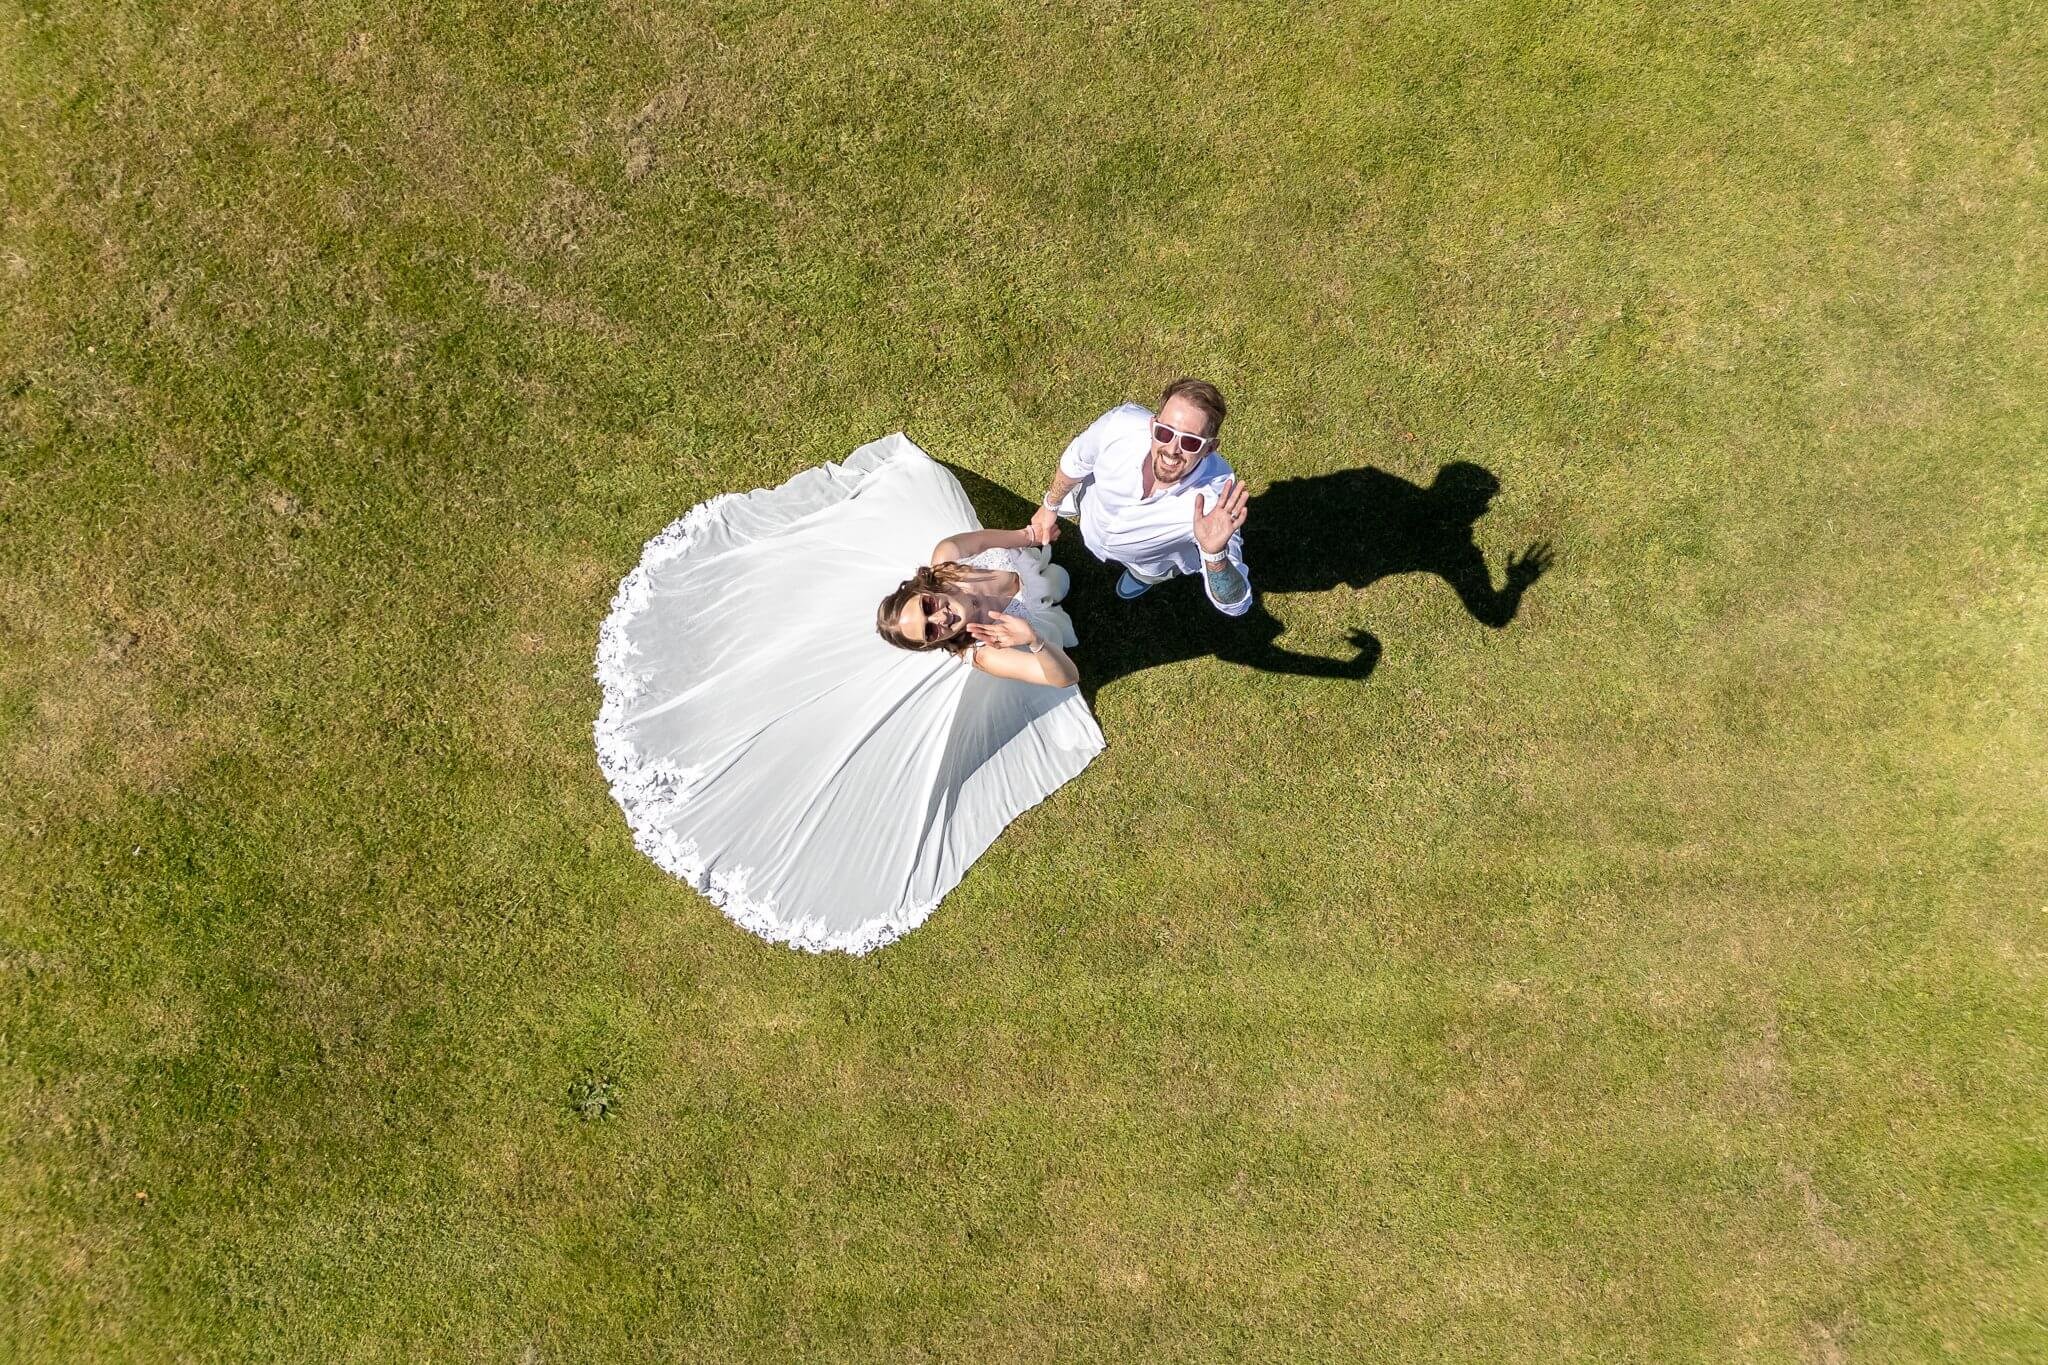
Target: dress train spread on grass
[[822, 787]]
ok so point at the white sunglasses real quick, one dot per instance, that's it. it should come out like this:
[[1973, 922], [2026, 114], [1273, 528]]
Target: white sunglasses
[[1187, 442]]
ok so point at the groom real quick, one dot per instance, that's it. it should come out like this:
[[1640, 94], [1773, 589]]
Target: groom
[[1156, 496]]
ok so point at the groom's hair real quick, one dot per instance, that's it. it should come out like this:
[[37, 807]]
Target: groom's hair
[[1203, 395]]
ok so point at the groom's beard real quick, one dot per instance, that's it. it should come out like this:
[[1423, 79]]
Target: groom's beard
[[1161, 466]]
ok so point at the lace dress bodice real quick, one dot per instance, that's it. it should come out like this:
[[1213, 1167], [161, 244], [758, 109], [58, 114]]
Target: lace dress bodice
[[1040, 586], [1006, 561]]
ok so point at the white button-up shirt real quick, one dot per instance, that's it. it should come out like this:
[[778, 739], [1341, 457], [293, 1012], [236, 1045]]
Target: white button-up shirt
[[1152, 534]]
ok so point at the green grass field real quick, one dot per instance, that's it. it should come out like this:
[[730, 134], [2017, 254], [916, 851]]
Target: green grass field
[[1661, 976]]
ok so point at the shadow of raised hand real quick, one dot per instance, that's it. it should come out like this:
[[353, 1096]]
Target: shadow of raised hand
[[1525, 568]]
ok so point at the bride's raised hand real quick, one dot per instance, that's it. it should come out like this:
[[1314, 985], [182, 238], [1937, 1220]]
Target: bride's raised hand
[[1003, 629]]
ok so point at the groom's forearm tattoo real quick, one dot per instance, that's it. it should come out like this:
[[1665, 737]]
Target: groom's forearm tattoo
[[1226, 585]]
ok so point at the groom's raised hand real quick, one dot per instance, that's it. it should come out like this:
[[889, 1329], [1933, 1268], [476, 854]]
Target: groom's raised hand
[[1215, 525]]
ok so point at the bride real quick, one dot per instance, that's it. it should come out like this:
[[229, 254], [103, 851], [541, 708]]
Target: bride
[[952, 604], [822, 769]]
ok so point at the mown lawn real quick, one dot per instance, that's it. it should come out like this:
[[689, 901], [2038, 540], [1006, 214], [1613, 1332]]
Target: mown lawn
[[1659, 976]]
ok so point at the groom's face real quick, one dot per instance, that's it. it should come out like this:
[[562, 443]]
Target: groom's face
[[1169, 462]]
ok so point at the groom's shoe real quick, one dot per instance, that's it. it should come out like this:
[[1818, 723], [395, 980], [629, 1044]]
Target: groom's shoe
[[1130, 588]]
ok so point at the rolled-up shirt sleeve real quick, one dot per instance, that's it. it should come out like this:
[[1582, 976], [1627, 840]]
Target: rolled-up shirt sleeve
[[1235, 554]]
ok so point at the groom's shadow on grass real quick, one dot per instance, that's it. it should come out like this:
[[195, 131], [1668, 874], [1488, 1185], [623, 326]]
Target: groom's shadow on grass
[[1347, 529]]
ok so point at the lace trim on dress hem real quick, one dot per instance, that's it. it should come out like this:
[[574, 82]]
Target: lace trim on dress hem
[[649, 792]]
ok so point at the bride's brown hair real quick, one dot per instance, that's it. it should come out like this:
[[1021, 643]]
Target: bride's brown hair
[[888, 616]]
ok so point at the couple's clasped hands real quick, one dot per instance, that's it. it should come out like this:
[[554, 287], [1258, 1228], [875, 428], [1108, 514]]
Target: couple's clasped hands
[[1044, 527]]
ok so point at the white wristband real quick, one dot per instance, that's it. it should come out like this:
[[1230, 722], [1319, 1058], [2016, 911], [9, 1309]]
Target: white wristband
[[1220, 557], [1051, 502]]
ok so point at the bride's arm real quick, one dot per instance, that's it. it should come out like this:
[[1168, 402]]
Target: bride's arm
[[968, 544], [1033, 659]]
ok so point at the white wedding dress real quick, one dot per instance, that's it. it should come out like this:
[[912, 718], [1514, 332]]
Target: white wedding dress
[[821, 786]]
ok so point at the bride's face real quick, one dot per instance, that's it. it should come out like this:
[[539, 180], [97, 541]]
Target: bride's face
[[932, 617]]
